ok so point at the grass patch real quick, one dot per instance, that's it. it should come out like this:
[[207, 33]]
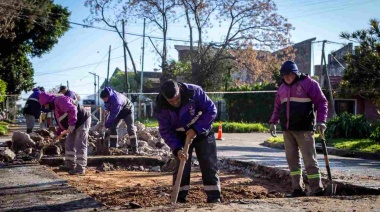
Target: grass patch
[[228, 127], [149, 122], [3, 128], [361, 145], [236, 127]]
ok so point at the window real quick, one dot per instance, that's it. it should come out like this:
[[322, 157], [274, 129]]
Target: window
[[345, 105]]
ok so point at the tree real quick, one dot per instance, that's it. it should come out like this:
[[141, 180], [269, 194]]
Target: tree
[[37, 29], [362, 75], [10, 11], [117, 81], [3, 89], [250, 23]]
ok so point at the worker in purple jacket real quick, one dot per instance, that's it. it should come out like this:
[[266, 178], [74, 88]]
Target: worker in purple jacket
[[185, 110], [76, 121], [296, 100], [32, 109], [65, 91], [119, 107]]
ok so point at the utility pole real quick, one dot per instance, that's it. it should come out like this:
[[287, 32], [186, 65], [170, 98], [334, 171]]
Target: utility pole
[[125, 59], [67, 83], [108, 69], [98, 89], [94, 86], [324, 70], [142, 70]]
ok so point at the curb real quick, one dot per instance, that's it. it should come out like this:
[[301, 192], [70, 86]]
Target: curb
[[343, 188], [332, 151]]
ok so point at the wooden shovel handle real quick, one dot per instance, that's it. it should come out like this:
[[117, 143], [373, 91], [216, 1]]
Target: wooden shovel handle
[[182, 164]]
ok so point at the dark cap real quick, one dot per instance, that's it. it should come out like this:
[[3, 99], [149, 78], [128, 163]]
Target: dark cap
[[105, 93], [62, 88], [289, 67], [169, 88]]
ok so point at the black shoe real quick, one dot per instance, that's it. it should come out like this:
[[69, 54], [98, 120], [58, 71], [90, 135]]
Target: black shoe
[[318, 193], [64, 168], [181, 200], [296, 193], [216, 200], [76, 172]]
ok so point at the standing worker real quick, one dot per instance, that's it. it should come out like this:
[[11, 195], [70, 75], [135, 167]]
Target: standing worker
[[32, 110], [178, 108], [65, 91], [294, 106], [76, 121], [119, 107]]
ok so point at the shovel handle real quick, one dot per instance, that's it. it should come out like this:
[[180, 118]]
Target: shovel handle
[[182, 164], [325, 155]]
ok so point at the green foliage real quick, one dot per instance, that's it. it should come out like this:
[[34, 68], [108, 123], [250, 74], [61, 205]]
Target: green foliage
[[149, 122], [375, 135], [37, 29], [251, 107], [348, 126], [362, 145], [117, 81], [362, 75], [235, 127], [3, 128], [3, 90]]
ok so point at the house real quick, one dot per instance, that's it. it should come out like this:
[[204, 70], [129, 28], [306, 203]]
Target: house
[[355, 104]]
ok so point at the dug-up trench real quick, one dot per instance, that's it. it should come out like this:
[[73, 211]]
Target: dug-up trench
[[130, 187], [120, 179]]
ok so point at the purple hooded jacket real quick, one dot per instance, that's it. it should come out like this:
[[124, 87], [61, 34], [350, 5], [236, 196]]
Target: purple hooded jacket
[[63, 107], [295, 105], [193, 100], [118, 105], [32, 106], [71, 94]]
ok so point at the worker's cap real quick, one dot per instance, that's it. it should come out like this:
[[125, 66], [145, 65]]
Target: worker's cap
[[62, 88], [169, 89], [105, 93], [289, 67]]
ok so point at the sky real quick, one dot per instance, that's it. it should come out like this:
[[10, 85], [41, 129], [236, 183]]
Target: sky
[[83, 50]]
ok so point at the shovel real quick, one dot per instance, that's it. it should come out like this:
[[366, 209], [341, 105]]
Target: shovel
[[330, 189], [180, 171]]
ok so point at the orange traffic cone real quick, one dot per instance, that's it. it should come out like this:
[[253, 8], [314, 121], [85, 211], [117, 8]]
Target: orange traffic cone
[[220, 132]]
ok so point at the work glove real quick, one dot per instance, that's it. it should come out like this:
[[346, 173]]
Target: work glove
[[71, 129], [272, 129], [320, 127]]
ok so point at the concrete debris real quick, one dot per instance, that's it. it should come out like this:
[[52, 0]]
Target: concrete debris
[[106, 167], [156, 169], [40, 143], [21, 141], [7, 154]]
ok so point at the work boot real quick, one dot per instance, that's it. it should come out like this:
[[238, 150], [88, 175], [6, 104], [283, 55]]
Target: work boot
[[296, 193], [181, 200], [76, 172], [134, 151], [318, 193], [215, 200], [64, 168]]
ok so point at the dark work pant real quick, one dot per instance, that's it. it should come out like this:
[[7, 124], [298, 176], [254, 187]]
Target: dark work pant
[[129, 121], [205, 149]]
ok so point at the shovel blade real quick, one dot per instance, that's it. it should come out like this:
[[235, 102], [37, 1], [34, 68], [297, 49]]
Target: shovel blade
[[330, 189]]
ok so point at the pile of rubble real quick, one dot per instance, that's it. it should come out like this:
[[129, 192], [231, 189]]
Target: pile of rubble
[[40, 143]]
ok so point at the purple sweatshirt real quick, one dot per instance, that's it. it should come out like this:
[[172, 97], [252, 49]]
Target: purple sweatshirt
[[295, 105]]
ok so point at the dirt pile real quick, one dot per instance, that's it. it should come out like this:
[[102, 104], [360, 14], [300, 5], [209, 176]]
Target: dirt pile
[[124, 188]]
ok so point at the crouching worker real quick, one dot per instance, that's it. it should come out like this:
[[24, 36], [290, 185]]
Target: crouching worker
[[119, 107], [32, 110], [75, 120], [296, 100], [185, 110]]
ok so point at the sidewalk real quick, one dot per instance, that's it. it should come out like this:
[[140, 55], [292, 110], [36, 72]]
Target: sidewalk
[[246, 147], [36, 188]]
